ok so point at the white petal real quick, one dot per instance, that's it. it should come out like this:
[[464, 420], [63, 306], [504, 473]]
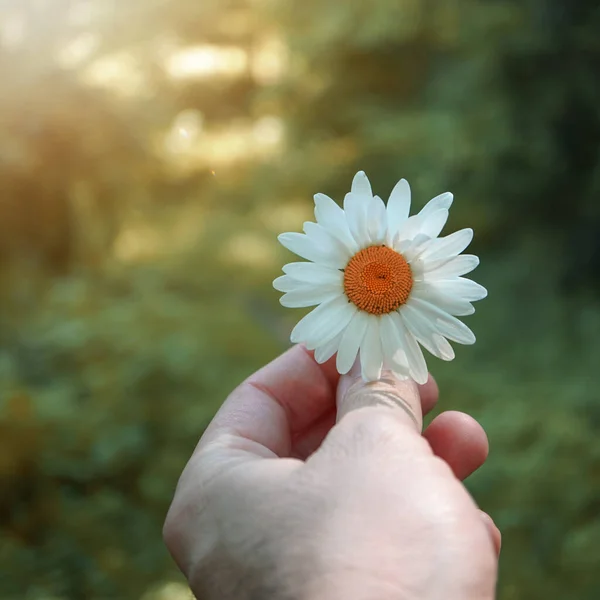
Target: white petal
[[286, 284], [326, 334], [361, 186], [426, 333], [331, 326], [398, 207], [413, 256], [371, 354], [416, 360], [462, 288], [303, 246], [321, 317], [321, 238], [309, 296], [393, 345], [331, 216], [409, 229], [449, 246], [312, 273], [327, 210], [443, 201], [447, 269], [356, 208], [351, 341], [411, 249], [446, 351], [448, 326], [433, 223], [377, 221], [450, 303], [326, 351]]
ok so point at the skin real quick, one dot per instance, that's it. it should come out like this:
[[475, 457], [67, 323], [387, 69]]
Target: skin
[[310, 486]]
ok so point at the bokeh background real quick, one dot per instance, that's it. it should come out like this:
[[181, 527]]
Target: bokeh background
[[151, 151]]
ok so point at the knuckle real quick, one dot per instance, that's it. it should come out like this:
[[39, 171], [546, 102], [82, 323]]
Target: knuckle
[[440, 468], [171, 530], [189, 503], [369, 430], [371, 419], [173, 536]]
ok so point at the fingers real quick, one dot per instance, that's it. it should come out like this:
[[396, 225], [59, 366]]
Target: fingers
[[264, 413], [459, 440], [429, 393], [290, 401], [462, 443], [401, 396], [493, 531], [308, 441]]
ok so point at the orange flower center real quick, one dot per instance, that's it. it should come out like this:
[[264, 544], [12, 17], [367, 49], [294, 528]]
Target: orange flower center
[[378, 280]]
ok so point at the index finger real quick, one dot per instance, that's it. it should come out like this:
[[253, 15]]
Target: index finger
[[283, 398]]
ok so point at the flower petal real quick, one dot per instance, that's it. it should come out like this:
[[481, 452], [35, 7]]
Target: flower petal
[[329, 329], [433, 223], [322, 317], [393, 346], [303, 246], [361, 186], [398, 208], [377, 221], [448, 269], [371, 354], [449, 246], [448, 326], [356, 208], [326, 351], [462, 288], [309, 296], [321, 238], [450, 303], [443, 201], [312, 273], [411, 249], [425, 332], [331, 216], [285, 284], [416, 360], [408, 230], [351, 341]]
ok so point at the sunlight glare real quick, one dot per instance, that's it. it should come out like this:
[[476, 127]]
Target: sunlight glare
[[268, 133], [270, 60], [82, 13], [12, 30], [196, 62], [78, 50], [119, 72], [184, 131]]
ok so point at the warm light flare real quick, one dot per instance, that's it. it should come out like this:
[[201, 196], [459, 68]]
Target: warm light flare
[[78, 50], [121, 73], [196, 62], [13, 29]]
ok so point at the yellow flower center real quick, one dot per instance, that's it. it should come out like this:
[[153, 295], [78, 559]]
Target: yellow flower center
[[378, 280]]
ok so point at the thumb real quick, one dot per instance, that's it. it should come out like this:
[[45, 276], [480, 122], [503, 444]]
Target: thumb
[[387, 393]]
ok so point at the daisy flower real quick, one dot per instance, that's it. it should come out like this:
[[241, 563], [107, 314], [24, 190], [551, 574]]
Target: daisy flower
[[382, 281]]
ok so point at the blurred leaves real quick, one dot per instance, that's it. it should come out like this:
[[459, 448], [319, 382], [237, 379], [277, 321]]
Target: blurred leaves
[[150, 151]]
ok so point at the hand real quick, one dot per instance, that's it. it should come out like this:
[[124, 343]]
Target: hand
[[280, 502]]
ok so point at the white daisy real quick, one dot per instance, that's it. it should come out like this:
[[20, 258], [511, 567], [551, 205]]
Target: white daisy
[[383, 282]]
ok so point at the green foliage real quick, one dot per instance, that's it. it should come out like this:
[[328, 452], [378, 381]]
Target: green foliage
[[136, 260]]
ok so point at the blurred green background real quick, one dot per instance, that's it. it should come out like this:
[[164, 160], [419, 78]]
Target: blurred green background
[[151, 151]]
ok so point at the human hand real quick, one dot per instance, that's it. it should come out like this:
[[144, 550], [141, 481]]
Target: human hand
[[280, 502]]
